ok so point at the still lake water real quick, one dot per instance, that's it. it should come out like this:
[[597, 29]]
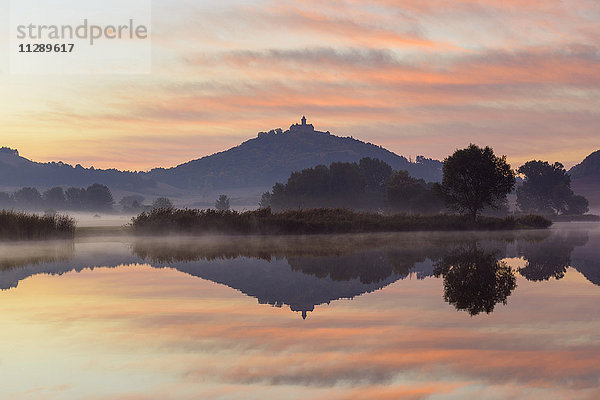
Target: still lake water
[[386, 316]]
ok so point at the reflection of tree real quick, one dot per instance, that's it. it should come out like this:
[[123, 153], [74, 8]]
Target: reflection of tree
[[369, 267], [550, 258], [474, 280], [299, 271], [402, 248], [371, 258]]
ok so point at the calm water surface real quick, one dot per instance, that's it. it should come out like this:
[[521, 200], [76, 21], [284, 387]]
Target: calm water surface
[[415, 316]]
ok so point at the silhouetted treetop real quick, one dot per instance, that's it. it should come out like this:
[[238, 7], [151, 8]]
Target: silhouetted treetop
[[407, 194], [547, 190], [222, 203], [475, 178]]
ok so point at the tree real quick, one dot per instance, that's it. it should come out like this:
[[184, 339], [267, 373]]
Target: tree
[[162, 203], [132, 203], [305, 189], [341, 185], [407, 194], [376, 173], [346, 181], [222, 203], [55, 198], [6, 201], [577, 205], [98, 198], [265, 200], [279, 199], [75, 198], [547, 190], [28, 197], [474, 178]]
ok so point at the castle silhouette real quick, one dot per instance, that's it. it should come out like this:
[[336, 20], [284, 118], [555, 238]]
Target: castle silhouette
[[302, 127]]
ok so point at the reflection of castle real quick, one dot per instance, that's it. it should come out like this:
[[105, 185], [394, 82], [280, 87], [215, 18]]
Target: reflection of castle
[[304, 309]]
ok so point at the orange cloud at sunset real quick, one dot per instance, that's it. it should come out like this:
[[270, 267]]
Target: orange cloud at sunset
[[172, 331], [417, 77]]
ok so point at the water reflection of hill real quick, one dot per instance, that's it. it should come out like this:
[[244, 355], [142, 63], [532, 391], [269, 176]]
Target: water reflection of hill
[[586, 259], [303, 272], [276, 284]]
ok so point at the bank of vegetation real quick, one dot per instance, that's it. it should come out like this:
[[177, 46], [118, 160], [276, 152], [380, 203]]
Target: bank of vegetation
[[314, 221], [22, 226]]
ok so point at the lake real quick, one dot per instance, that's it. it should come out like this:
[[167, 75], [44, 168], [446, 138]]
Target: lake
[[409, 315]]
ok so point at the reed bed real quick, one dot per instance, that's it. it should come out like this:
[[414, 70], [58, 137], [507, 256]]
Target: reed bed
[[23, 226]]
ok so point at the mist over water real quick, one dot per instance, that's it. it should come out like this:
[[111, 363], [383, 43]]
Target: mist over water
[[84, 219], [404, 315]]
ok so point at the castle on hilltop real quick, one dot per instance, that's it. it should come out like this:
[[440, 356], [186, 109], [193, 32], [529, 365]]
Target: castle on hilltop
[[302, 127], [9, 151]]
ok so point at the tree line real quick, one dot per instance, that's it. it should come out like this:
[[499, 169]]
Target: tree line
[[370, 184], [475, 180], [95, 197]]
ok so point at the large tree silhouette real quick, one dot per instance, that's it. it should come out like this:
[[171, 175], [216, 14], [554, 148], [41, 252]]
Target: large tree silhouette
[[474, 178], [547, 189]]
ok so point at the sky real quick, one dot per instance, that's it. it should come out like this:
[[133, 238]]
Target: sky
[[418, 77]]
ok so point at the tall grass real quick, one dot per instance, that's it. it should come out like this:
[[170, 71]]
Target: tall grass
[[23, 226], [315, 221]]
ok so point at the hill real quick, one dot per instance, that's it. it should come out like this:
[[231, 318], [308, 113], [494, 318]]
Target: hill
[[585, 179], [253, 166], [273, 156], [588, 168], [17, 171]]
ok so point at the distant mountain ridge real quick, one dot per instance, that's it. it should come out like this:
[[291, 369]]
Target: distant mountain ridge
[[585, 179], [19, 171], [588, 168], [256, 163]]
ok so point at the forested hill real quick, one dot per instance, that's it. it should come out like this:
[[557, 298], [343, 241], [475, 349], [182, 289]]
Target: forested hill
[[273, 156], [18, 171]]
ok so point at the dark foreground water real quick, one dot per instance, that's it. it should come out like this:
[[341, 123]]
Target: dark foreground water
[[411, 316]]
